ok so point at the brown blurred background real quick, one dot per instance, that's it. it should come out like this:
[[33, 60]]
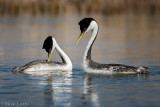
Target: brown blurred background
[[129, 30], [56, 7]]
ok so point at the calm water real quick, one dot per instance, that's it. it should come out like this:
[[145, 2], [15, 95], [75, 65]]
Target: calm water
[[125, 39]]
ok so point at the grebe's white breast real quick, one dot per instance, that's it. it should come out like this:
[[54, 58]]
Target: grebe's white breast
[[43, 65], [93, 67]]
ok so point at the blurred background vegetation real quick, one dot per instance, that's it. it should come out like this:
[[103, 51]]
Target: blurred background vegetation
[[63, 7], [129, 29]]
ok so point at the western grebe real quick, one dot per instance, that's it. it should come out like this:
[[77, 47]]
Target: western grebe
[[89, 24], [42, 65]]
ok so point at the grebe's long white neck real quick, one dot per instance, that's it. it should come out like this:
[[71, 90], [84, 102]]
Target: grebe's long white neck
[[94, 31], [62, 54]]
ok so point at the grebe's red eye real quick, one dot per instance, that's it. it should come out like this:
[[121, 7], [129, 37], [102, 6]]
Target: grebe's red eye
[[84, 29], [49, 50]]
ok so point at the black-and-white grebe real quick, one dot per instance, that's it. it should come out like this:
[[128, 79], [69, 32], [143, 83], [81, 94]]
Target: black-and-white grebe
[[89, 24], [49, 45]]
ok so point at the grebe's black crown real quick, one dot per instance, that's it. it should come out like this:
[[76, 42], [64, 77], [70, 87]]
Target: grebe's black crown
[[48, 43], [84, 24]]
